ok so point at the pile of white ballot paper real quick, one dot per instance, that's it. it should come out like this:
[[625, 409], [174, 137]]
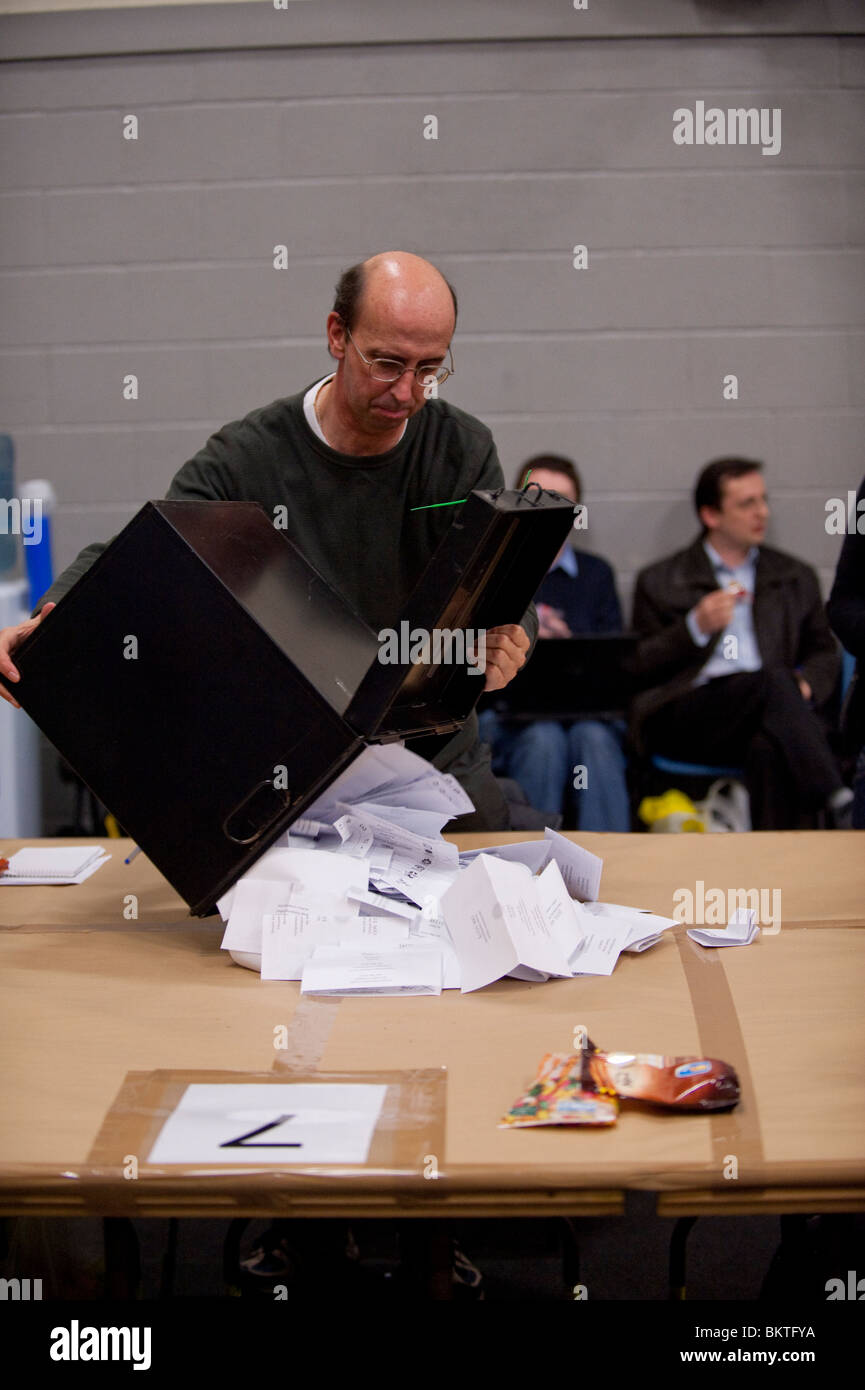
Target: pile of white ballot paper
[[363, 896]]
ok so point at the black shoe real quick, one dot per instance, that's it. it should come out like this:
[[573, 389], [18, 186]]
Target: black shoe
[[271, 1263]]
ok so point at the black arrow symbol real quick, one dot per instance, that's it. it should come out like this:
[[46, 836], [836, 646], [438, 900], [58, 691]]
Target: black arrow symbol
[[242, 1141]]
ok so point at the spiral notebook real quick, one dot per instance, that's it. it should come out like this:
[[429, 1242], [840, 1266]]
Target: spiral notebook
[[68, 864]]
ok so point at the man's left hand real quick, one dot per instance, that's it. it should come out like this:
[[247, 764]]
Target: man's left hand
[[804, 687], [506, 649]]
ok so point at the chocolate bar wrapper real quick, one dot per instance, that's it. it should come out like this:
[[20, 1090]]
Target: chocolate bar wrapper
[[679, 1083]]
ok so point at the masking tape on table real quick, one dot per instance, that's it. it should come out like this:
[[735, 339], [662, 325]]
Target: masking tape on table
[[734, 1134], [307, 1033]]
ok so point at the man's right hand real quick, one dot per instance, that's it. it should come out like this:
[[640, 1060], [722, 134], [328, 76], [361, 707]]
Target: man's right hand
[[12, 637], [714, 611]]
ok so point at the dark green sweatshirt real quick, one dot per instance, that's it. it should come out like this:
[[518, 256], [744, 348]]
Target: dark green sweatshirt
[[352, 518]]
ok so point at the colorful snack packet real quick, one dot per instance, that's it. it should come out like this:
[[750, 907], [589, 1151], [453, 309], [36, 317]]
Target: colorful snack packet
[[564, 1092], [584, 1088]]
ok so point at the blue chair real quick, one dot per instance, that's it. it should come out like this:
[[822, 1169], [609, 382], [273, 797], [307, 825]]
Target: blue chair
[[673, 768]]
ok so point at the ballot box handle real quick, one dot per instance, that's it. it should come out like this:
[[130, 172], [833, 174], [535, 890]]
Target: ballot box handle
[[252, 816], [527, 495]]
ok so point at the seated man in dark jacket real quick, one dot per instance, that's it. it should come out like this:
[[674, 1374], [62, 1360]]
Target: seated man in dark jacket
[[578, 595], [739, 657]]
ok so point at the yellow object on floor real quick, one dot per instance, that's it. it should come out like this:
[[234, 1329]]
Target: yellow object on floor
[[674, 812]]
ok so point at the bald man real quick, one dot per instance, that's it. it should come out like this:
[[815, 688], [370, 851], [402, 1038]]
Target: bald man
[[343, 466]]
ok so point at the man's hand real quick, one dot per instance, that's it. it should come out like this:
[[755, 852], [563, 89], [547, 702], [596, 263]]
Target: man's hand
[[506, 649], [804, 687], [12, 637], [714, 611], [551, 622]]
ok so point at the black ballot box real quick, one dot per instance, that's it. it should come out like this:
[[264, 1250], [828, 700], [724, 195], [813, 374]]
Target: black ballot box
[[207, 683]]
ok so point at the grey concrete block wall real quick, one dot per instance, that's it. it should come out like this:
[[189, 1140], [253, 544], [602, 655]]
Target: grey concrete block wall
[[154, 256]]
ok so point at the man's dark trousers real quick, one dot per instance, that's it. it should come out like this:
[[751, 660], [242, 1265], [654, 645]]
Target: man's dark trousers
[[759, 721]]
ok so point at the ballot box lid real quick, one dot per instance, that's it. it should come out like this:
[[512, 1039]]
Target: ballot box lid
[[483, 574]]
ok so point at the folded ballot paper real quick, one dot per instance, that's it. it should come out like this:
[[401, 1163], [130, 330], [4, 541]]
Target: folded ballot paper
[[505, 920], [741, 930], [363, 896]]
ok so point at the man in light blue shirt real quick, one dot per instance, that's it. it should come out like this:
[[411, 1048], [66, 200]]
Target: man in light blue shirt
[[738, 655], [738, 635]]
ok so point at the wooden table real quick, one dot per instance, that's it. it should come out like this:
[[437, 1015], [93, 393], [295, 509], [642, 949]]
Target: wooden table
[[90, 992]]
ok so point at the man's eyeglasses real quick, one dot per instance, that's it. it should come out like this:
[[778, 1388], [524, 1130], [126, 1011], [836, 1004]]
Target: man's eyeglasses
[[387, 369]]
